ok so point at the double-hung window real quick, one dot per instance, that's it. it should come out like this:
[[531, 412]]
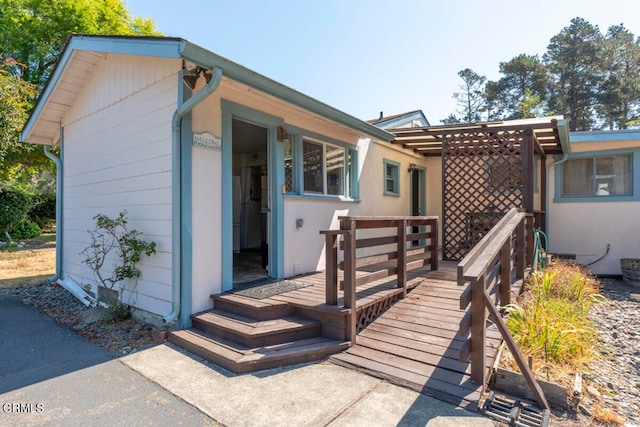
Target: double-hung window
[[597, 176], [391, 177]]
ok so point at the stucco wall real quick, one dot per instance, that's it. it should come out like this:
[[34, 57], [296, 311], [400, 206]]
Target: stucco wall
[[117, 156], [584, 228], [303, 247]]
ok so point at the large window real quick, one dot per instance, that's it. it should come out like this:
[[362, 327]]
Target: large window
[[323, 167], [597, 176]]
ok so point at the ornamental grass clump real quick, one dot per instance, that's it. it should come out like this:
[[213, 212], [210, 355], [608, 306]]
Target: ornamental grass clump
[[549, 320]]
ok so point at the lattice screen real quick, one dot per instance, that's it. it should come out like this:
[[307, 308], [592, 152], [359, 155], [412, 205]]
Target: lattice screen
[[482, 180]]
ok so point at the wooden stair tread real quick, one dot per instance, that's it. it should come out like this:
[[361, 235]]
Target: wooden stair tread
[[252, 327], [252, 302], [239, 359]]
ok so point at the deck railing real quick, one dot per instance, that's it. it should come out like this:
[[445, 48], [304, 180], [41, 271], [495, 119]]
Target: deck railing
[[488, 271], [380, 252]]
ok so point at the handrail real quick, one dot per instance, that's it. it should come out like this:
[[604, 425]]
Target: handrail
[[377, 256], [488, 271]]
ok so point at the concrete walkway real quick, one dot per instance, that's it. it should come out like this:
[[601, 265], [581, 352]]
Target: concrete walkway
[[50, 376]]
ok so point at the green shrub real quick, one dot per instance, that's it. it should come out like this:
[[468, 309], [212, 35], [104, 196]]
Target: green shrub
[[25, 229], [14, 205], [43, 210]]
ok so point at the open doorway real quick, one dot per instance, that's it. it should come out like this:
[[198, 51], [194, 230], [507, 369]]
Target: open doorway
[[418, 198], [250, 202]]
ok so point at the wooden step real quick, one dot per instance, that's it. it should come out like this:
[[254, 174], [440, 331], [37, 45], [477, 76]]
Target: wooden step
[[239, 359], [251, 307], [255, 333]]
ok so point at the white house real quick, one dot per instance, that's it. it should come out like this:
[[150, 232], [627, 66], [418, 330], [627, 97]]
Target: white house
[[212, 161], [233, 174]]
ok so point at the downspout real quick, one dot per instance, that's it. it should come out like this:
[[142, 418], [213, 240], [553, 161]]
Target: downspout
[[176, 186], [59, 230], [564, 158], [565, 145]]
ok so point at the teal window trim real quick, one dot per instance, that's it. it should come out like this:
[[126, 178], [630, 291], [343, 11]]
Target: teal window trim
[[351, 183], [394, 177], [635, 178]]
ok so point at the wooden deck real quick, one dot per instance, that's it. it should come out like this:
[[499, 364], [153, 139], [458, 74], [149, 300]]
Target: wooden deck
[[415, 343]]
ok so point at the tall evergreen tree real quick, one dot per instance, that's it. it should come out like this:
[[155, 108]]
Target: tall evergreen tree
[[619, 97], [471, 100], [572, 57], [522, 74]]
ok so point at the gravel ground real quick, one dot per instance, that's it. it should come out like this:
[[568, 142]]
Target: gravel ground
[[120, 338], [611, 385]]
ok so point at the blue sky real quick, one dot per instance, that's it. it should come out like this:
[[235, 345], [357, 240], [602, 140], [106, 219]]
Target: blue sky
[[364, 57]]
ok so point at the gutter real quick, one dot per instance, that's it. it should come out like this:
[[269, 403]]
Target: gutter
[[59, 190], [176, 190]]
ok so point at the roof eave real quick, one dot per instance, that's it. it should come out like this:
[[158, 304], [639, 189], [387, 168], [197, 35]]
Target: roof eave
[[241, 74], [166, 47]]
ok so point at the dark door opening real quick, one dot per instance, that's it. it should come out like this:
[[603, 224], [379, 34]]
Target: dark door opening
[[417, 199], [250, 202]]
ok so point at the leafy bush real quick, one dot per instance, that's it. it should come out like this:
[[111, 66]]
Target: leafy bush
[[14, 205], [117, 311], [549, 321], [111, 238], [25, 229], [43, 209]]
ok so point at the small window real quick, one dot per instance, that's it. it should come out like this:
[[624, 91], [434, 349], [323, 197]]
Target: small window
[[289, 177], [597, 176], [391, 177]]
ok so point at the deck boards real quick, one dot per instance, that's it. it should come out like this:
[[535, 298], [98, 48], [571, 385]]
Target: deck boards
[[415, 343]]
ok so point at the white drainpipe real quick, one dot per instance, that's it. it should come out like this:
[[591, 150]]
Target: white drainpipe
[[564, 158], [59, 190], [176, 184]]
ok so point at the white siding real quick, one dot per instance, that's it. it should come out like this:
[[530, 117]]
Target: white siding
[[117, 156]]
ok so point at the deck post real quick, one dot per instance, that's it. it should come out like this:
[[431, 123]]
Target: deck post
[[478, 331], [350, 301], [520, 250], [433, 225], [401, 264], [527, 170], [331, 261], [505, 273]]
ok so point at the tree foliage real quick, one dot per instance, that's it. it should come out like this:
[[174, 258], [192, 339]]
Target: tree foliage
[[32, 36], [593, 79], [572, 57], [34, 32], [471, 98]]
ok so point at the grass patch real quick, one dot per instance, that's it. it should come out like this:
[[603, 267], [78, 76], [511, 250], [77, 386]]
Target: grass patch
[[549, 320], [34, 264], [46, 239]]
